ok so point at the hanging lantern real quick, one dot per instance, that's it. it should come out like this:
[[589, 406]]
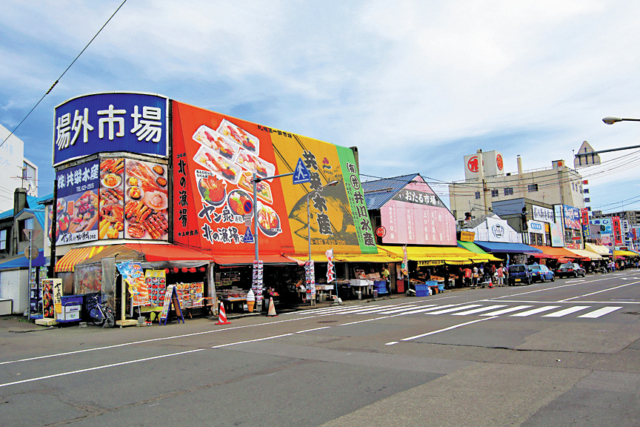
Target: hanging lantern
[[202, 269], [192, 270], [175, 269], [184, 269], [166, 271]]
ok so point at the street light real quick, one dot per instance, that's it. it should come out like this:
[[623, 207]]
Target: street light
[[612, 120], [328, 184]]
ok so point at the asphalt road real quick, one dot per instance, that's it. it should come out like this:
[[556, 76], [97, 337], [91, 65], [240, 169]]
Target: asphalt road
[[549, 354]]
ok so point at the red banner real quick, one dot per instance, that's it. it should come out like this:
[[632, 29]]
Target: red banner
[[617, 230]]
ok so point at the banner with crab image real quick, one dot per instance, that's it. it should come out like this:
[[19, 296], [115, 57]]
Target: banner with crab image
[[214, 160]]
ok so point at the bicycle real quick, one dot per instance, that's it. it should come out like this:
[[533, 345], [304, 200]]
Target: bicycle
[[100, 313]]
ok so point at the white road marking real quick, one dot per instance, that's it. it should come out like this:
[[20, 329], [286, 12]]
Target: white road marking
[[507, 310], [446, 329], [451, 310], [397, 310], [600, 312], [478, 310], [598, 292], [567, 311], [424, 309], [535, 311]]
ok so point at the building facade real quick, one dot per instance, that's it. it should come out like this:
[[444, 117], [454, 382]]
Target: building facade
[[15, 170], [487, 183]]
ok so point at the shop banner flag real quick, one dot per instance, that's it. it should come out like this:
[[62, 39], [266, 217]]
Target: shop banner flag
[[331, 269], [133, 275], [405, 261]]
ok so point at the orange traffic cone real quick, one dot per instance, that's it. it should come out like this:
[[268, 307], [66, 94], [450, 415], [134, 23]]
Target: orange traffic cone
[[272, 309], [222, 316]]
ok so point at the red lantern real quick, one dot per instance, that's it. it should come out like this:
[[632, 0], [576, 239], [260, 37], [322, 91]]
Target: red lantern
[[175, 269], [192, 270], [184, 269], [202, 269], [166, 271]]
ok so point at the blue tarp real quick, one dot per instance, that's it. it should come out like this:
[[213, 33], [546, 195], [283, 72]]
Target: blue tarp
[[508, 248], [23, 262]]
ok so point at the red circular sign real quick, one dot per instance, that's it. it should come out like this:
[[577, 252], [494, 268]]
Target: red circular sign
[[472, 164], [381, 231], [499, 162]]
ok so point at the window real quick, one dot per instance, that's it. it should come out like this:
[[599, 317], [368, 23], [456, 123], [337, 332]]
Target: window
[[477, 194], [508, 191], [585, 191], [532, 188], [25, 224], [587, 199], [3, 240], [495, 193]]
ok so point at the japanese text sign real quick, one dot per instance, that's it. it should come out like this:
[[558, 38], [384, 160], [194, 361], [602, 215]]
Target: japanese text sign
[[109, 122]]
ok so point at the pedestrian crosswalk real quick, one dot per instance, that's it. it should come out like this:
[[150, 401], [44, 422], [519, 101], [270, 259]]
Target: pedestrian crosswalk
[[481, 308]]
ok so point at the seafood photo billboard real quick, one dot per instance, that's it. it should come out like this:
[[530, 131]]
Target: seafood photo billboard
[[214, 159]]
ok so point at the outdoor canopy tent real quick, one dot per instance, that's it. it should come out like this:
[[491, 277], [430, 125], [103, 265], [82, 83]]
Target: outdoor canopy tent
[[560, 253], [599, 249], [508, 248], [23, 262], [624, 254], [445, 254], [586, 254]]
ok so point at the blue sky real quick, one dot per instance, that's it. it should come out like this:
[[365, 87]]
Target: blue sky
[[415, 85]]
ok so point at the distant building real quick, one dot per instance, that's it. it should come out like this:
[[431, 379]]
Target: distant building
[[486, 183], [15, 170]]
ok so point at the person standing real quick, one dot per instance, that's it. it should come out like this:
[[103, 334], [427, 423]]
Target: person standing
[[385, 276], [467, 276], [475, 275], [500, 274]]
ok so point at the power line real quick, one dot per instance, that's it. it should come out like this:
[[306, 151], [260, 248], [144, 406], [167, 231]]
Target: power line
[[61, 75]]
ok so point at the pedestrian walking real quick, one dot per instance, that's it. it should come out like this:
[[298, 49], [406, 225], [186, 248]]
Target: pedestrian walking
[[500, 275]]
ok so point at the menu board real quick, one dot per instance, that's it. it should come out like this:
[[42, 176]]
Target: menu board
[[167, 302], [156, 285], [77, 204], [191, 294]]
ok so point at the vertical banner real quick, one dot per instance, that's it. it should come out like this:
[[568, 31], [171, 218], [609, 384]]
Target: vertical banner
[[586, 231], [617, 230], [310, 282], [331, 269], [258, 277]]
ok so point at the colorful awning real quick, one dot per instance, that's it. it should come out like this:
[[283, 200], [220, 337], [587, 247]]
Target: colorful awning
[[155, 253], [599, 249], [67, 263], [624, 253], [508, 248], [559, 253], [445, 254], [586, 254], [480, 255]]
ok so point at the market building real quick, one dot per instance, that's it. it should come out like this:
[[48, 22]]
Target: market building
[[152, 190]]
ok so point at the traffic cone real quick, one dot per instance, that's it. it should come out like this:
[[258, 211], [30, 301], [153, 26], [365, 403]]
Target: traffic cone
[[222, 316], [272, 309]]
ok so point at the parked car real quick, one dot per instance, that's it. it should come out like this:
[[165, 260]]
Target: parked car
[[519, 274], [570, 269], [541, 273]]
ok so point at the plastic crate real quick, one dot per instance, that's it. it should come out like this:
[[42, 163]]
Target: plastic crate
[[422, 293], [422, 288]]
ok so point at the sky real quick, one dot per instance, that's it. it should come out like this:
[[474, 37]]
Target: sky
[[414, 85]]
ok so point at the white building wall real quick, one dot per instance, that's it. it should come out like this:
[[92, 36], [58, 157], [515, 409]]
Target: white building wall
[[13, 286], [12, 162]]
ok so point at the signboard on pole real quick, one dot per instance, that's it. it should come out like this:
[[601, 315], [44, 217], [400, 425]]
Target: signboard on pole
[[301, 174]]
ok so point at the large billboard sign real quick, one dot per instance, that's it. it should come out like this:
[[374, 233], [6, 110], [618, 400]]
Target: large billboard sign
[[214, 160], [112, 198], [572, 217], [77, 208], [111, 122], [417, 216]]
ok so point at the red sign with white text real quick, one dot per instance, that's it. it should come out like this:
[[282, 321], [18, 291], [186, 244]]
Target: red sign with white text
[[617, 230]]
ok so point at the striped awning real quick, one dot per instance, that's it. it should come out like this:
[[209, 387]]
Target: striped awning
[[67, 263]]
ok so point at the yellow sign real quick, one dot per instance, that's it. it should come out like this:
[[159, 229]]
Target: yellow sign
[[429, 263], [467, 236]]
